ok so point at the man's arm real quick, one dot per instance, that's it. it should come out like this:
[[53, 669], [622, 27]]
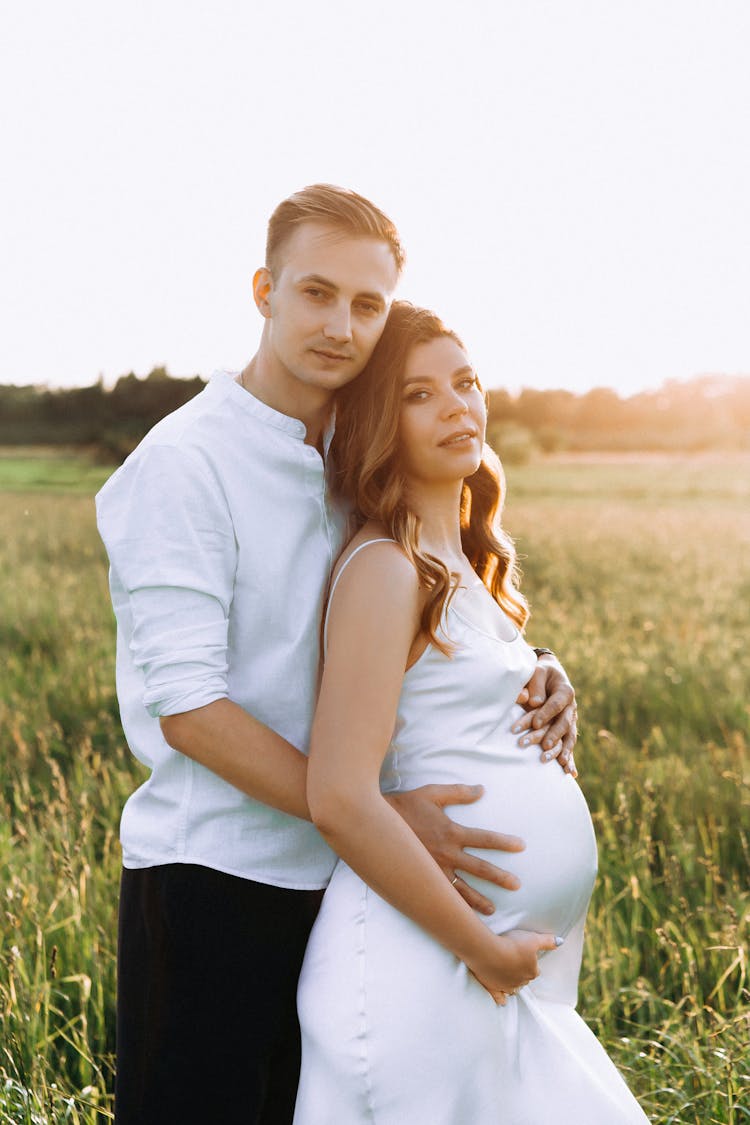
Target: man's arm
[[230, 742], [172, 548], [446, 841]]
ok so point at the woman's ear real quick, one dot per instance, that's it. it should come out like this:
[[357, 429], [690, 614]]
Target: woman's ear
[[262, 286]]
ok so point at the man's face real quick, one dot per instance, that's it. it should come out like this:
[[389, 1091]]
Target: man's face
[[326, 304]]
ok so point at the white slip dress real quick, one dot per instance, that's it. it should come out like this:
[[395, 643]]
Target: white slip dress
[[395, 1030]]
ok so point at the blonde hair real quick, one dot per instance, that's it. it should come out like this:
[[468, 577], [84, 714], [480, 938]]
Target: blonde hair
[[369, 475], [339, 207]]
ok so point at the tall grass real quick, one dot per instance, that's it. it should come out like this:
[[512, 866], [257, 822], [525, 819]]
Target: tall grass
[[637, 576]]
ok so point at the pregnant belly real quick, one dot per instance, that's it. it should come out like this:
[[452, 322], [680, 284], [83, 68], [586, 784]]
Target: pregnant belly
[[544, 807]]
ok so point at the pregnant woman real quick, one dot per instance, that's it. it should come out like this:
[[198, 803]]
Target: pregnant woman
[[414, 1010]]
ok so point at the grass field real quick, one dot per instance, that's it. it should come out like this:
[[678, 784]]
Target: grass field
[[638, 575]]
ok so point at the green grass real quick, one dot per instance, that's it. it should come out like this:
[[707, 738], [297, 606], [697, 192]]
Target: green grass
[[47, 469], [637, 575]]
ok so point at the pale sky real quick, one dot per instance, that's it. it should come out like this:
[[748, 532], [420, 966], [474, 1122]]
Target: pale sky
[[571, 178]]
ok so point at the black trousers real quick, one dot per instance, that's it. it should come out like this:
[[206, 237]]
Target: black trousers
[[207, 1030]]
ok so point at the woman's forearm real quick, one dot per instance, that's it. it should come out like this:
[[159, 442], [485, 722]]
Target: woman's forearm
[[374, 841]]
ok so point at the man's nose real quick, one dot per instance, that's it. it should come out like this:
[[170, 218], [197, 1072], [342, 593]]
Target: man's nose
[[338, 324]]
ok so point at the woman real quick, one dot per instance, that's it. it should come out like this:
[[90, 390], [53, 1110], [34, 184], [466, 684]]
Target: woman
[[415, 1011]]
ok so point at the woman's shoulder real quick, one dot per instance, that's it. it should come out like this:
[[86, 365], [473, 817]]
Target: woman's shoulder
[[373, 554]]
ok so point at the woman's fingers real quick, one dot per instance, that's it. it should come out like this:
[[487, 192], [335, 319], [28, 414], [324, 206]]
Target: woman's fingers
[[553, 752], [570, 765], [533, 737]]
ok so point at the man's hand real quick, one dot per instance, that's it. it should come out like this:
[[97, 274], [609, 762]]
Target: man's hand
[[551, 718], [422, 809]]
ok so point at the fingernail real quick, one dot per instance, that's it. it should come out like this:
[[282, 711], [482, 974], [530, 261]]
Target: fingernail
[[515, 728], [546, 757], [476, 789], [525, 741], [559, 940], [548, 744], [538, 700], [488, 910]]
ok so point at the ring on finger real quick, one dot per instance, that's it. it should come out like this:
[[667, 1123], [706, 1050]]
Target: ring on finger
[[455, 879]]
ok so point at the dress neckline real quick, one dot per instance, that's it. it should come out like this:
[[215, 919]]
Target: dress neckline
[[477, 626]]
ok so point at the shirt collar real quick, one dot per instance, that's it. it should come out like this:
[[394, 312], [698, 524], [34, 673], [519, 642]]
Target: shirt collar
[[267, 414]]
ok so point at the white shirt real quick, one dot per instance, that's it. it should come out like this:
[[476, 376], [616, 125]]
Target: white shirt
[[221, 540]]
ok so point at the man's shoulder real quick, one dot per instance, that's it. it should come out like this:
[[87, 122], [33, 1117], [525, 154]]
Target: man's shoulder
[[185, 443], [200, 415]]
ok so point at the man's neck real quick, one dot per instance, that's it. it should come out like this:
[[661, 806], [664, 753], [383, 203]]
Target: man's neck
[[281, 392]]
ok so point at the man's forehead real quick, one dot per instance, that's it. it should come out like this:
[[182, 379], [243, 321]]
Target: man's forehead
[[327, 252]]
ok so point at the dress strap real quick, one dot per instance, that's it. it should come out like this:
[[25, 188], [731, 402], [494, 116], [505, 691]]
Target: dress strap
[[335, 582]]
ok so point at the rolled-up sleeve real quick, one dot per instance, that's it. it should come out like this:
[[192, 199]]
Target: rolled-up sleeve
[[166, 526]]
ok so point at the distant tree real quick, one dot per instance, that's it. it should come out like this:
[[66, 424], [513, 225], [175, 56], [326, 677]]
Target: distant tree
[[708, 412]]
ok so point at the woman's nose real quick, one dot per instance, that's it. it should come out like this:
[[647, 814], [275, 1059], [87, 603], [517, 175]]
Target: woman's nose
[[455, 405]]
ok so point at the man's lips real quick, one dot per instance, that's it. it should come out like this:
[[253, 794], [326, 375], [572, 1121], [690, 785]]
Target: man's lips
[[324, 353]]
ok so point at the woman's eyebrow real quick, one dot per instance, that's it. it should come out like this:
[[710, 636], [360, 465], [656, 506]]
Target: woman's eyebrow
[[466, 369]]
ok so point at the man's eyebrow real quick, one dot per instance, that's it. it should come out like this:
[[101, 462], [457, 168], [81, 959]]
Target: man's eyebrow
[[316, 279], [466, 369]]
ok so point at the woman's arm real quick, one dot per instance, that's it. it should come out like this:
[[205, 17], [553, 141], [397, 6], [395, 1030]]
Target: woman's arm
[[372, 624]]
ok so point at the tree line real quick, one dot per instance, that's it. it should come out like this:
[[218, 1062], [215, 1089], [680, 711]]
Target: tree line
[[710, 412]]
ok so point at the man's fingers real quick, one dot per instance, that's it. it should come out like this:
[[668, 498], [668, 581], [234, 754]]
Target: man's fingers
[[443, 795], [562, 726], [555, 705], [487, 840], [481, 869], [476, 900]]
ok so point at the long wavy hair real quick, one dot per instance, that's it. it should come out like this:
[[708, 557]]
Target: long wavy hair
[[369, 475]]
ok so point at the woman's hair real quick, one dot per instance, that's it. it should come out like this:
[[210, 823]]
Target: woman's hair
[[368, 473], [338, 207]]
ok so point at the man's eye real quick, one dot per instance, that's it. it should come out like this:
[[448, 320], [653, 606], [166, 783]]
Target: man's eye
[[312, 292], [368, 307]]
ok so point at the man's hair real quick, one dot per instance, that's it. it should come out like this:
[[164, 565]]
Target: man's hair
[[338, 207]]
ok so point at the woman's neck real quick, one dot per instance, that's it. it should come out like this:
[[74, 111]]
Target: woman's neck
[[439, 511]]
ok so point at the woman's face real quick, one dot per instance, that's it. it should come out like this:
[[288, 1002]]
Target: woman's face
[[443, 415]]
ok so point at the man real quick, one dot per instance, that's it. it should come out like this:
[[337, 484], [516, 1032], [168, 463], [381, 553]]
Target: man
[[221, 537]]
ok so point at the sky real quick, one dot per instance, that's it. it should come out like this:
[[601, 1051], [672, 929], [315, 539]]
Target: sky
[[570, 177]]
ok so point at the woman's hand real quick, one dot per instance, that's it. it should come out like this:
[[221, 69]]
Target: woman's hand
[[551, 717], [512, 961]]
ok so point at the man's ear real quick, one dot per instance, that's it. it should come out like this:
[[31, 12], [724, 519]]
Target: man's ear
[[262, 286]]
